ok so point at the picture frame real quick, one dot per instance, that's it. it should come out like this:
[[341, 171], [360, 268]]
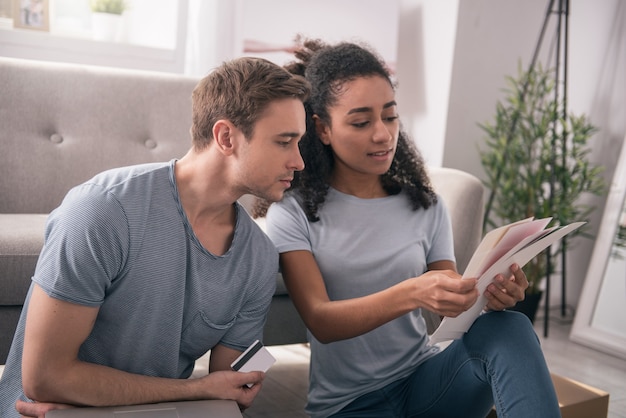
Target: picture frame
[[599, 320], [31, 14]]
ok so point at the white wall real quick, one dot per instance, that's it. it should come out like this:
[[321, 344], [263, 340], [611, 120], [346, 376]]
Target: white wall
[[277, 22], [415, 36], [425, 59], [492, 37], [219, 30]]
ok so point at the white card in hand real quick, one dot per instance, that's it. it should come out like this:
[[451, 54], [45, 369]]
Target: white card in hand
[[255, 358]]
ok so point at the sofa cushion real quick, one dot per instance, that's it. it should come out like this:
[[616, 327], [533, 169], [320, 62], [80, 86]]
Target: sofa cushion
[[64, 123]]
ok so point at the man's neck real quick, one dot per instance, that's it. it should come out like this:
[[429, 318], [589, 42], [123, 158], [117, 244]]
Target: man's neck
[[207, 199], [203, 187]]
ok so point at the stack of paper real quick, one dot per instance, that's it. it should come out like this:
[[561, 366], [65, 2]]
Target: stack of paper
[[518, 242]]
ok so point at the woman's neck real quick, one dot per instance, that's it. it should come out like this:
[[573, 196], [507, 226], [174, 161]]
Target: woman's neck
[[364, 187]]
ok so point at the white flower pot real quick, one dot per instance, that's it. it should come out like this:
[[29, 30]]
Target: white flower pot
[[106, 26]]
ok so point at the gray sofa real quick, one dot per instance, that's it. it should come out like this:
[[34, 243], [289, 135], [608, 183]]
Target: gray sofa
[[60, 124]]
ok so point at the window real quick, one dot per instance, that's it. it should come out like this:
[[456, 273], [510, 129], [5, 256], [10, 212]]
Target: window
[[149, 35]]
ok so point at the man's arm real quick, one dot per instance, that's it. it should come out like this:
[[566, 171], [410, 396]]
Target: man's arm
[[52, 372]]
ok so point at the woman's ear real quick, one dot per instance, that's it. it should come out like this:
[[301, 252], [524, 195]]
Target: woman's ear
[[322, 130], [223, 132]]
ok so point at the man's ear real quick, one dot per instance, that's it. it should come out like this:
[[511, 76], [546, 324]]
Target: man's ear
[[322, 130], [223, 134]]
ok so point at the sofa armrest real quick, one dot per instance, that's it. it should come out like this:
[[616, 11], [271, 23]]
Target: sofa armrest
[[21, 240], [463, 195]]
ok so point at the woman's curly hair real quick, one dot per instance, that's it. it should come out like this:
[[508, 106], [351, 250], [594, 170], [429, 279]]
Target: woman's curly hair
[[327, 68]]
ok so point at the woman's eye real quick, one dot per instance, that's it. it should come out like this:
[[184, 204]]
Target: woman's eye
[[360, 124], [391, 118]]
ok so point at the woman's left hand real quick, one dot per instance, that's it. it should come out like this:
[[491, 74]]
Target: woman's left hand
[[506, 292]]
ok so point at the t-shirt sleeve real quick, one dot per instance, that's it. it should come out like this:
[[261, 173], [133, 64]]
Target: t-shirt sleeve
[[442, 247], [287, 226], [85, 246]]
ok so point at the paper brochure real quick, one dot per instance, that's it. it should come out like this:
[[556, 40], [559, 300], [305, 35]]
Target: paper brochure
[[517, 243]]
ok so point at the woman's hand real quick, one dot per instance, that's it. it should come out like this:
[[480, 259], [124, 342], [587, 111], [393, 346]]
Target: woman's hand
[[506, 292], [444, 293]]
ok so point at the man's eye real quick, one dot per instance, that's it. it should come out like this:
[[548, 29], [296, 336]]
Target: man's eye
[[285, 143]]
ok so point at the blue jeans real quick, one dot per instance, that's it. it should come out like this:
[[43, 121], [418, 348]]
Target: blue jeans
[[498, 361]]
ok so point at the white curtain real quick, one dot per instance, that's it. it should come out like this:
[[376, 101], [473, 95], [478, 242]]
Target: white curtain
[[212, 28]]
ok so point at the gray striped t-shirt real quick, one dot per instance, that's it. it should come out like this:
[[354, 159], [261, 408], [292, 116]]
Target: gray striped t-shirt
[[121, 241]]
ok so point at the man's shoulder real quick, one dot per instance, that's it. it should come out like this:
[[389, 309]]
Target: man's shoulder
[[115, 176], [130, 183], [116, 194]]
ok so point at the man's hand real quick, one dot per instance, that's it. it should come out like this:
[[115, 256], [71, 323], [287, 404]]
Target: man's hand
[[233, 385], [37, 409], [506, 292], [224, 383]]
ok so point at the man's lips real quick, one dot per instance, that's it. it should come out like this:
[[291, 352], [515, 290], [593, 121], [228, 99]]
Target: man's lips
[[287, 181]]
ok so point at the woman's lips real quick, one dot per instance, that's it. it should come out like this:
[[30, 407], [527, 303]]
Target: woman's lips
[[380, 155]]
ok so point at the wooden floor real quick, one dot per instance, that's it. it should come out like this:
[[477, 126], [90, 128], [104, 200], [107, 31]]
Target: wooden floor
[[284, 389], [584, 364]]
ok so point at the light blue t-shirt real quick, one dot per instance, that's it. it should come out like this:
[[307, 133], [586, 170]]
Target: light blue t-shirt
[[363, 246], [122, 242]]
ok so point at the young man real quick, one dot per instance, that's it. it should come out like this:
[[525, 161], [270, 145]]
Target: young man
[[146, 268]]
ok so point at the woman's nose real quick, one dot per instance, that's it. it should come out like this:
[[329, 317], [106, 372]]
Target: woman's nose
[[381, 132]]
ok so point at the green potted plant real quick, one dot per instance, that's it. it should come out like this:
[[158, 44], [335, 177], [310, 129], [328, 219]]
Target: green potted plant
[[106, 18], [536, 163], [114, 7]]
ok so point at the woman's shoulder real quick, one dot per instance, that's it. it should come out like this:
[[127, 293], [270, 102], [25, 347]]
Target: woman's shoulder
[[291, 201], [289, 207]]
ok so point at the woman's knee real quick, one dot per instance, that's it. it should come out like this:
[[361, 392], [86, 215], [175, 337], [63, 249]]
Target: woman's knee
[[502, 318], [504, 327]]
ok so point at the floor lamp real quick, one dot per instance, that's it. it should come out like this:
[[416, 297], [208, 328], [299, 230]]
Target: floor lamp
[[560, 10]]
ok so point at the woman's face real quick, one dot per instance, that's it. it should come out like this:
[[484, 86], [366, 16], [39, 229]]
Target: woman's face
[[364, 128]]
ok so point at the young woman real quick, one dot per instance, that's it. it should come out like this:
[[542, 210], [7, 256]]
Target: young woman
[[365, 245]]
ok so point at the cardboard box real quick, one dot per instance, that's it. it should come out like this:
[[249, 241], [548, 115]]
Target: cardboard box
[[577, 400]]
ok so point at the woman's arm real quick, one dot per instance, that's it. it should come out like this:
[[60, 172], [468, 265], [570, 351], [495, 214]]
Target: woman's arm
[[439, 290]]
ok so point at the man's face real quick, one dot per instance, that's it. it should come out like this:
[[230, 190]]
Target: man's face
[[270, 158]]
